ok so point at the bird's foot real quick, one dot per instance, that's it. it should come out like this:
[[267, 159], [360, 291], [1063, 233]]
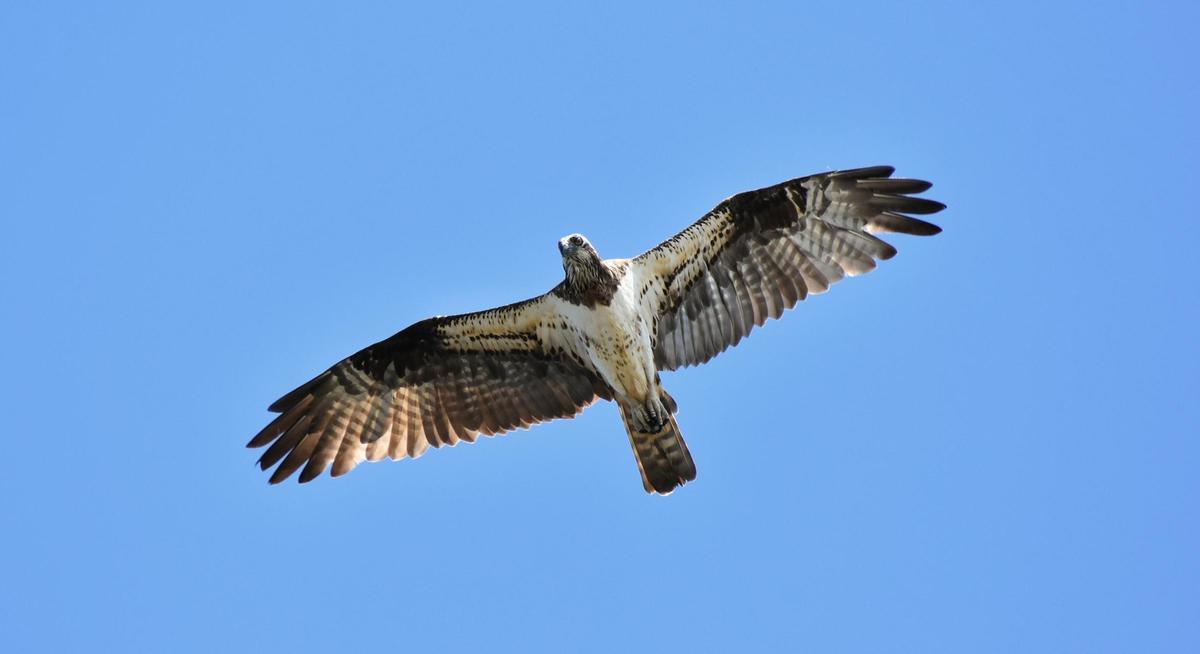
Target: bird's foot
[[650, 418]]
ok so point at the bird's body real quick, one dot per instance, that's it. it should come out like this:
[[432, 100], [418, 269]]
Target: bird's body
[[605, 332], [614, 337]]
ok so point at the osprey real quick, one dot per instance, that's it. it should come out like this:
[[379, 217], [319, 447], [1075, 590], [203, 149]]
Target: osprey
[[605, 332]]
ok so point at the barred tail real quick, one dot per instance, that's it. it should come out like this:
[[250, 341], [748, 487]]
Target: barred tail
[[662, 456]]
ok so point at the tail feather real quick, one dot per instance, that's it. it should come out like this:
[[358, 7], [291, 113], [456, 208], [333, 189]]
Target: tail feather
[[662, 457]]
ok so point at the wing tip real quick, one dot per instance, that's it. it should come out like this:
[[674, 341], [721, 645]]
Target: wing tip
[[933, 205], [298, 394], [864, 172]]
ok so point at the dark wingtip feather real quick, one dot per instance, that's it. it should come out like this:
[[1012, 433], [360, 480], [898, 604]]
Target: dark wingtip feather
[[296, 395], [306, 476], [281, 423], [905, 204], [281, 473], [898, 224], [929, 206], [896, 185], [262, 438], [316, 465], [862, 173], [286, 443], [298, 456], [267, 434]]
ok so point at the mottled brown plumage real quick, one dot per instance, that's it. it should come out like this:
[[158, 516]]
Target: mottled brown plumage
[[759, 253], [589, 280]]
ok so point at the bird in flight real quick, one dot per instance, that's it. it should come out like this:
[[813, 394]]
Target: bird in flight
[[605, 332]]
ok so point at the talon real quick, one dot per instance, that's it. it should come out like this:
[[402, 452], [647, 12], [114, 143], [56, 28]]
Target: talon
[[652, 418]]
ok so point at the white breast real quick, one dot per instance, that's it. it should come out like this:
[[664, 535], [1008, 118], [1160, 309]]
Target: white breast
[[615, 338]]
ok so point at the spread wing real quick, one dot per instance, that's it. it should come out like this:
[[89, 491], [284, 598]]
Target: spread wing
[[438, 382], [758, 253]]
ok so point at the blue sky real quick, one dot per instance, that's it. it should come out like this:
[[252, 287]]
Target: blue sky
[[988, 445]]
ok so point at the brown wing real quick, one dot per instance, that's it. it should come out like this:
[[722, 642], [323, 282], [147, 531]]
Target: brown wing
[[758, 253], [438, 382]]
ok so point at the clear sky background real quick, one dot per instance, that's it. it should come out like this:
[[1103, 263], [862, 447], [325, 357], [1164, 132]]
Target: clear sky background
[[988, 445]]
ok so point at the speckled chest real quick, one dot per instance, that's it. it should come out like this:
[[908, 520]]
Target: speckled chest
[[615, 338]]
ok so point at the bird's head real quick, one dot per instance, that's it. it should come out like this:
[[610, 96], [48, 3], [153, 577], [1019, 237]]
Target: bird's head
[[576, 250]]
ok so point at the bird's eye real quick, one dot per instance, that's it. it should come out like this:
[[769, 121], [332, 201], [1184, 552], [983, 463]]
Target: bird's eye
[[576, 241]]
